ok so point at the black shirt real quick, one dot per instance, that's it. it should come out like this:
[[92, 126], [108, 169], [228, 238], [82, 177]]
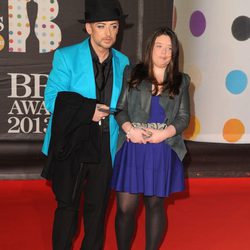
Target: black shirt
[[104, 81]]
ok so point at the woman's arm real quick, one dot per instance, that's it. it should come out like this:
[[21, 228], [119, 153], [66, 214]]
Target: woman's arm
[[180, 123], [122, 117], [182, 118], [122, 104]]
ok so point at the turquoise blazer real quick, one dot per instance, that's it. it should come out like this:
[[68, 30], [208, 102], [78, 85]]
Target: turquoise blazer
[[72, 70]]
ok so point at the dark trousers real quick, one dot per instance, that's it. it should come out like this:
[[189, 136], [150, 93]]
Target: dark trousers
[[96, 189]]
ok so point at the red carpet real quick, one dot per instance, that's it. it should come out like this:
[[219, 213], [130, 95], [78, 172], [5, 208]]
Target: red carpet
[[214, 214]]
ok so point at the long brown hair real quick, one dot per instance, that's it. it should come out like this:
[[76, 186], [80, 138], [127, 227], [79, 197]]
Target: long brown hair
[[144, 70]]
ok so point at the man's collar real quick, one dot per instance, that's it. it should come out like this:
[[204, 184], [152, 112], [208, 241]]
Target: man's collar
[[96, 58]]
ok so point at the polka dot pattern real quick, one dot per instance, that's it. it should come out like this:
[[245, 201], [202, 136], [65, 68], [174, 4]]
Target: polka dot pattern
[[241, 28], [193, 129], [2, 43], [47, 11], [215, 45], [233, 130], [197, 23], [236, 82]]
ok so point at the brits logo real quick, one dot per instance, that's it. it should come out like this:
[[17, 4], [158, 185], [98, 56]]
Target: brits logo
[[21, 26]]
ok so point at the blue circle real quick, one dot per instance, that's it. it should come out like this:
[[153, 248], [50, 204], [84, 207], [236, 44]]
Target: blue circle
[[236, 82]]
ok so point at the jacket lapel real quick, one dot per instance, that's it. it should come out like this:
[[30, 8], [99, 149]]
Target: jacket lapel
[[145, 91], [86, 65], [165, 101], [117, 80], [167, 105]]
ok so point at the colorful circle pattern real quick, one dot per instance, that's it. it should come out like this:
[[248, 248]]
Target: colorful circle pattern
[[241, 28], [236, 80], [193, 129], [44, 26], [197, 23], [233, 130], [2, 42]]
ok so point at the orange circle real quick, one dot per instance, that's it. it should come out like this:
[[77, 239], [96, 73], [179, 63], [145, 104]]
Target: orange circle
[[233, 130], [193, 129], [2, 43]]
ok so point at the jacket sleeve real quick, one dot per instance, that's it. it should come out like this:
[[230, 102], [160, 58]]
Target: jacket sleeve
[[122, 104], [182, 118], [59, 80]]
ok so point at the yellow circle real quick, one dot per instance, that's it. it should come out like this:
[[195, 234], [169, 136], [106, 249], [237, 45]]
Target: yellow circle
[[2, 43], [193, 129], [233, 130]]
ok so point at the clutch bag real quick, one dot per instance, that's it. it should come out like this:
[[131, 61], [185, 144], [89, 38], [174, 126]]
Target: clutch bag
[[153, 125]]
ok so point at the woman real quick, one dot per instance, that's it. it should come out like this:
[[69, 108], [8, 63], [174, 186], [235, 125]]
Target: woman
[[154, 111]]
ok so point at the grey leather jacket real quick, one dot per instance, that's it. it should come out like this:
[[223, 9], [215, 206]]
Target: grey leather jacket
[[135, 107]]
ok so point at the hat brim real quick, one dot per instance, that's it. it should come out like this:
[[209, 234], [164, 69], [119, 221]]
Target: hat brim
[[94, 20]]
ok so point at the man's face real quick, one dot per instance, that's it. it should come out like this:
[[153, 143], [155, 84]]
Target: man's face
[[103, 34]]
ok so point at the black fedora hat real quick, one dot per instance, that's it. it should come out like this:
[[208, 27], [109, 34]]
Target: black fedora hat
[[102, 10]]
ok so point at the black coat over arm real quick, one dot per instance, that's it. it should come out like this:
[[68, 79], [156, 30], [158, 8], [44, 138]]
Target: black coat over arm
[[75, 141]]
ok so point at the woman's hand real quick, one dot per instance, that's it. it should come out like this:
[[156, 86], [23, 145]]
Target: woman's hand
[[137, 135], [158, 136]]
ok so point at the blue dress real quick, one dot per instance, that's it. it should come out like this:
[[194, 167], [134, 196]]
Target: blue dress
[[152, 169]]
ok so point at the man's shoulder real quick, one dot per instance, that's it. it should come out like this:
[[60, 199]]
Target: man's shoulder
[[119, 54], [71, 48]]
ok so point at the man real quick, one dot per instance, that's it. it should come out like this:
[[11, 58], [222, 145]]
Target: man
[[83, 86]]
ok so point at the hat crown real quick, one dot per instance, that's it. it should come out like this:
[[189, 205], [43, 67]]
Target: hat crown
[[97, 5], [102, 10]]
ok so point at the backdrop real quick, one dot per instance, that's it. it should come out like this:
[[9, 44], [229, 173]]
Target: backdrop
[[215, 40], [214, 52], [30, 31]]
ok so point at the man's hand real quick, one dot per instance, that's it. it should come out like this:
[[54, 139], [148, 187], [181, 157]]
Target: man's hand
[[99, 115]]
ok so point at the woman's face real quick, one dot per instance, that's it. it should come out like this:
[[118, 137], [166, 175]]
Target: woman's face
[[162, 51]]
